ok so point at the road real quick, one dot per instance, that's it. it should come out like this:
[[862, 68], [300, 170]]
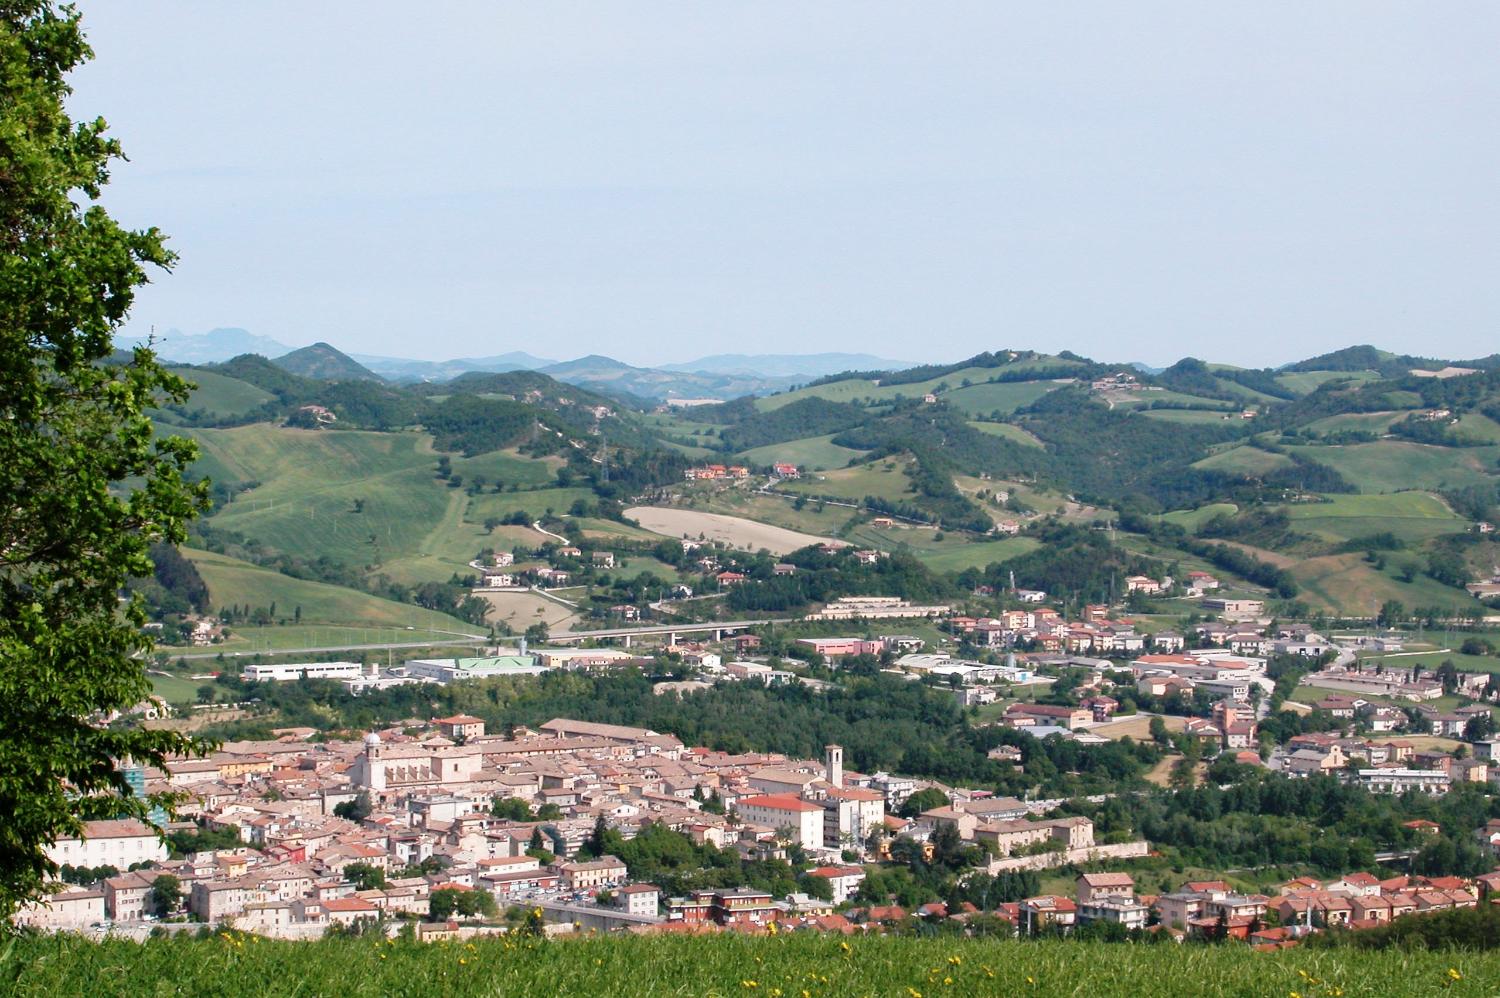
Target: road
[[537, 526], [476, 639], [660, 629]]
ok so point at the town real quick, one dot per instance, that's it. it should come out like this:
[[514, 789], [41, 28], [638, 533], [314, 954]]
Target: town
[[453, 829]]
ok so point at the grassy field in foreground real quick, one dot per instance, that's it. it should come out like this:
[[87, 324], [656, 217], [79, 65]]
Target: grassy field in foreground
[[729, 965]]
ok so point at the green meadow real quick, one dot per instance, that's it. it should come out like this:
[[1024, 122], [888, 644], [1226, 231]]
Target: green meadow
[[729, 965], [813, 453]]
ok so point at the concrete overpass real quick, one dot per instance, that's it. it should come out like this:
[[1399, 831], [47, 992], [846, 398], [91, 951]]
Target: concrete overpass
[[670, 631]]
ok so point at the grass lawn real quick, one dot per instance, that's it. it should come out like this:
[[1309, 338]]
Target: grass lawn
[[1002, 397], [1398, 465], [367, 499], [508, 466], [608, 529], [221, 396], [1304, 382], [1195, 416], [1479, 426], [778, 511], [1141, 399], [885, 478], [1245, 460], [176, 689], [954, 553], [534, 503], [236, 582], [1191, 519], [949, 384], [812, 453], [1346, 583], [1009, 431], [1435, 658], [1360, 422], [1414, 517]]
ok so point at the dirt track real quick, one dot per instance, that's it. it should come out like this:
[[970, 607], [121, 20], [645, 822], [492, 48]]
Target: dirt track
[[732, 530]]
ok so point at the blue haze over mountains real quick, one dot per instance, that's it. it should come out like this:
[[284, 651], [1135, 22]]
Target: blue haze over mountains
[[720, 375]]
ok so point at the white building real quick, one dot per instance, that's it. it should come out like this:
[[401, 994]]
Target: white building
[[301, 670], [120, 844], [1399, 781], [779, 811]]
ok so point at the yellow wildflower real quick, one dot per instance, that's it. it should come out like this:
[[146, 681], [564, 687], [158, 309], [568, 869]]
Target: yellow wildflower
[[1454, 974]]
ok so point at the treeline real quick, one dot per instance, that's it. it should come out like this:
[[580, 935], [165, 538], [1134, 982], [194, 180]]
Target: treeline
[[1437, 432], [1230, 559], [474, 425], [673, 862], [1122, 458], [367, 405], [1192, 376], [821, 577], [1246, 817], [174, 585], [1073, 561], [808, 417], [988, 359]]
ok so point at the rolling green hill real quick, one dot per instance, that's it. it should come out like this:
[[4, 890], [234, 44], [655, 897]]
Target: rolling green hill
[[813, 453], [232, 581], [1394, 465], [322, 362], [1089, 440], [216, 397], [368, 500]]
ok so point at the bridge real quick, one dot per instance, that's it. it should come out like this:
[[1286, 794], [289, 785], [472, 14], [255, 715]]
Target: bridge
[[719, 628]]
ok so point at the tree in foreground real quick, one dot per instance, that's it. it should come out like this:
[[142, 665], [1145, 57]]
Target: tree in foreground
[[85, 487]]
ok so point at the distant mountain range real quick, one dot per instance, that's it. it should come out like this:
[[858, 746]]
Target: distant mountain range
[[212, 347], [402, 369], [788, 365], [722, 376]]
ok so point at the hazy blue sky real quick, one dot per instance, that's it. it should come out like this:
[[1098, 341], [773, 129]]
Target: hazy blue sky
[[1253, 182]]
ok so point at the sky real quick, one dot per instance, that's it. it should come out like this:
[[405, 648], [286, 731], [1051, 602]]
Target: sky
[[1251, 183]]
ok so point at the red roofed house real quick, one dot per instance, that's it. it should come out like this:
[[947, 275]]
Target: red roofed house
[[1047, 911], [779, 811], [347, 911]]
